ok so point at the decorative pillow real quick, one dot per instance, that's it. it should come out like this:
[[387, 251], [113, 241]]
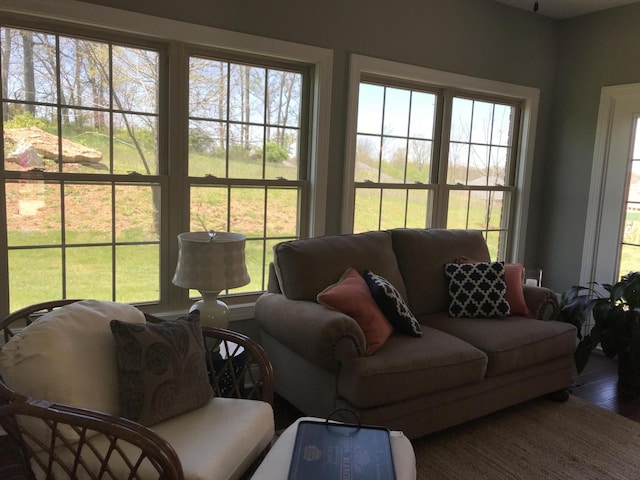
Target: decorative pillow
[[513, 277], [67, 356], [162, 368], [351, 296], [392, 305], [477, 289]]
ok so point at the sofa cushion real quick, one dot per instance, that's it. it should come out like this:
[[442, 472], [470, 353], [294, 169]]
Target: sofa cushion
[[305, 267], [68, 356], [510, 343], [408, 367], [162, 369], [351, 295], [422, 255], [392, 304]]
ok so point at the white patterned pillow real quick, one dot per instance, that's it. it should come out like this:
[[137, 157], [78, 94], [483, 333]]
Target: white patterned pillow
[[392, 305], [477, 290]]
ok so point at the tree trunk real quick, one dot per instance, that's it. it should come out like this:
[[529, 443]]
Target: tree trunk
[[29, 74]]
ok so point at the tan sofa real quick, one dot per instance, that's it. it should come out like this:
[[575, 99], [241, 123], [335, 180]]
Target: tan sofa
[[458, 370]]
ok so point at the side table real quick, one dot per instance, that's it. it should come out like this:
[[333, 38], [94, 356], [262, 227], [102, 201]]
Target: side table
[[275, 465]]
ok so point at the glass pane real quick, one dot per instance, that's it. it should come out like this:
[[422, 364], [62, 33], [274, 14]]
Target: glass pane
[[208, 209], [137, 213], [418, 205], [88, 272], [135, 80], [458, 209], [281, 153], [462, 110], [370, 104], [282, 212], [423, 111], [502, 120], [137, 273], [88, 214], [478, 165], [496, 210], [207, 148], [33, 213], [478, 210], [367, 158], [498, 166], [241, 163], [253, 251], [135, 144], [35, 276], [396, 112], [31, 64], [30, 137], [419, 161], [247, 211], [494, 244], [208, 88], [394, 158], [247, 95], [268, 258], [285, 98], [629, 259], [482, 122], [246, 157], [367, 209], [84, 73], [393, 209], [458, 161]]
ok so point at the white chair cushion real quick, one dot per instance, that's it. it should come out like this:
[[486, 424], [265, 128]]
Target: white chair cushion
[[68, 355], [217, 441]]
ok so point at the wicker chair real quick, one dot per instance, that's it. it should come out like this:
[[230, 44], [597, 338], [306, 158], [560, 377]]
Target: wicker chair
[[151, 456]]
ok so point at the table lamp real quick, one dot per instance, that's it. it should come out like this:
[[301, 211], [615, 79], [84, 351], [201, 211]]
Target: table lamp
[[211, 262]]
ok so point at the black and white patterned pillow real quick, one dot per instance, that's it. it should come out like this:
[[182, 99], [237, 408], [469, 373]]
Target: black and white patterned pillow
[[392, 305], [477, 290]]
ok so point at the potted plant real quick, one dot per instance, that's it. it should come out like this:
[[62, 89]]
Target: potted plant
[[616, 315]]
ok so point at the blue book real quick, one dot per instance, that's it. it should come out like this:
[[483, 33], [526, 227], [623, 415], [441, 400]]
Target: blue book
[[339, 451]]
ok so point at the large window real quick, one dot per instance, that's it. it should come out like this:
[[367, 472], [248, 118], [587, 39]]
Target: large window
[[434, 156], [114, 144], [630, 243]]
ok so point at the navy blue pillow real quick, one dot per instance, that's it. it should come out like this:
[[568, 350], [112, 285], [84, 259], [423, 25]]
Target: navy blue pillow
[[477, 289], [392, 305]]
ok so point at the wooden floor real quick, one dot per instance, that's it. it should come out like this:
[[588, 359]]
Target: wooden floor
[[598, 384]]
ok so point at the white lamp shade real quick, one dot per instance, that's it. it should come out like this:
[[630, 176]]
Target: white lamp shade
[[211, 264]]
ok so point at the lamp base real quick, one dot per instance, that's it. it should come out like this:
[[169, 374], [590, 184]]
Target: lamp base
[[213, 312]]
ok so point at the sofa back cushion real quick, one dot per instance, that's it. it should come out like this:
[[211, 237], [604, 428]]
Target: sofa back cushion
[[306, 267], [422, 255]]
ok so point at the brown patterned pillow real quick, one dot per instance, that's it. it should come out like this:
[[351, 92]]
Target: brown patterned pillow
[[162, 370]]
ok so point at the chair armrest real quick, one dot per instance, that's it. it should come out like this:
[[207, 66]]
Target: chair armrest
[[241, 369], [542, 302], [82, 457], [324, 337]]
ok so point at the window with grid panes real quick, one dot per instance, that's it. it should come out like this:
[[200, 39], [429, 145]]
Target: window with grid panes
[[86, 162], [434, 158]]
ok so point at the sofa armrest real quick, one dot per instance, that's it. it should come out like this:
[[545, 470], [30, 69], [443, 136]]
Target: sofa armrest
[[542, 302], [324, 337]]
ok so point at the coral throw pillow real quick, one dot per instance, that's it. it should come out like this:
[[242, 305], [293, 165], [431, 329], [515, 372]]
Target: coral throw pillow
[[514, 278], [351, 296]]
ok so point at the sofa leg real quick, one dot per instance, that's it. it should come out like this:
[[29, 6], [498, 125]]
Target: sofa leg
[[559, 396]]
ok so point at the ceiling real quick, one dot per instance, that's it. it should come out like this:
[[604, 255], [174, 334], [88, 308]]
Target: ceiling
[[560, 9]]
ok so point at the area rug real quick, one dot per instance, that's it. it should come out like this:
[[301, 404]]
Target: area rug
[[539, 439]]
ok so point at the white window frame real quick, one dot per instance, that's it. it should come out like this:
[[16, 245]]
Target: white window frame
[[321, 60], [363, 65], [619, 107]]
